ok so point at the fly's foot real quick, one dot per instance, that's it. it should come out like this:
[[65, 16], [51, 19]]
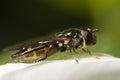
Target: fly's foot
[[75, 59]]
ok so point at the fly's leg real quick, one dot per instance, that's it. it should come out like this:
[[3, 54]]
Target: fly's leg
[[89, 52], [74, 57]]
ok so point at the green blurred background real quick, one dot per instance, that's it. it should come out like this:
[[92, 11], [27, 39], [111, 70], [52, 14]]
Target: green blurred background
[[29, 20]]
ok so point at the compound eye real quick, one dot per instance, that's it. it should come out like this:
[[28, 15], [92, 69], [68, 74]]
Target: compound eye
[[88, 37]]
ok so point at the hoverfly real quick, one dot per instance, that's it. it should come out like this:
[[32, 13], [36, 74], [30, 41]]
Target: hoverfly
[[68, 40]]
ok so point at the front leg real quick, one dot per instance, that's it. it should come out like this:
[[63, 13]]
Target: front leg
[[89, 52]]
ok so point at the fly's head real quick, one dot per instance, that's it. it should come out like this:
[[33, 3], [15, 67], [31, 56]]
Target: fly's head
[[88, 36]]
